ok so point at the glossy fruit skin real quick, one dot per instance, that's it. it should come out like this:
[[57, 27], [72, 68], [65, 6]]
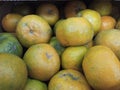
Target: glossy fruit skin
[[10, 44], [102, 68], [33, 29], [13, 72], [9, 22], [42, 61], [74, 31], [72, 57], [93, 17], [68, 80]]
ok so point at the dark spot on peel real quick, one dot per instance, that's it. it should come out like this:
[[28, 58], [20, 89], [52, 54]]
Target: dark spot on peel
[[48, 55]]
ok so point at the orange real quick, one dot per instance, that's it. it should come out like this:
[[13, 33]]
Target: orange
[[49, 12], [10, 44], [42, 61], [109, 38], [93, 17], [72, 57], [74, 31], [102, 68], [9, 22], [73, 7], [108, 23], [103, 7], [56, 44], [68, 80], [33, 84], [33, 29], [13, 72]]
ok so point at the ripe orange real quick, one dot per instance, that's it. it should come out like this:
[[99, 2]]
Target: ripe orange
[[68, 80], [109, 38], [102, 68], [93, 17], [13, 72], [33, 29], [49, 12], [73, 7], [9, 21], [72, 57], [108, 23], [42, 61], [74, 31]]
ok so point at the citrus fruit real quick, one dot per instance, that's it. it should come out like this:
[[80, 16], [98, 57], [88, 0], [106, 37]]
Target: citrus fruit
[[10, 44], [102, 68], [72, 57], [33, 84], [13, 72], [109, 38], [74, 31], [56, 44], [93, 17], [103, 7], [42, 61], [73, 7], [9, 22], [49, 12], [108, 22], [33, 29], [68, 80]]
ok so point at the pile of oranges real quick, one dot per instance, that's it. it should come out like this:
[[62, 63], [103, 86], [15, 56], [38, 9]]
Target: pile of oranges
[[70, 46]]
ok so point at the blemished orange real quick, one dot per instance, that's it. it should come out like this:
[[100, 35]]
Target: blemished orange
[[68, 80], [108, 22], [74, 31], [102, 68], [9, 22], [42, 61], [33, 29]]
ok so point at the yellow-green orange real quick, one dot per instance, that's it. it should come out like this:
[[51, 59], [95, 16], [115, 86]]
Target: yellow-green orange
[[102, 68], [68, 80], [72, 57], [33, 84], [74, 31], [109, 38], [33, 29], [93, 17], [13, 72], [42, 61]]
